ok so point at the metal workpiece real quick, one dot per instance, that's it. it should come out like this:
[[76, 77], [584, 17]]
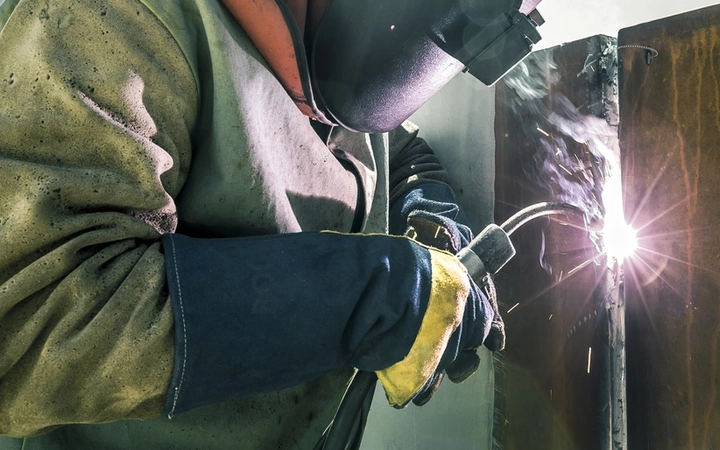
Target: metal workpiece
[[669, 140], [556, 128]]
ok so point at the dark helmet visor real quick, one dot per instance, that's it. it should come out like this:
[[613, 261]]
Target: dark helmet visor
[[373, 64]]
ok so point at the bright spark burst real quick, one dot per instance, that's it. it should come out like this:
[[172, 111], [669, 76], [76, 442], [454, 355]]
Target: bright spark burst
[[619, 238]]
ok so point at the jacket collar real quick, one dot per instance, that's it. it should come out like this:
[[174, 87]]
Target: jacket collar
[[277, 28]]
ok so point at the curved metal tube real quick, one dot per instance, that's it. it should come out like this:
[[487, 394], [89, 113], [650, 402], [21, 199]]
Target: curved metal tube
[[539, 210]]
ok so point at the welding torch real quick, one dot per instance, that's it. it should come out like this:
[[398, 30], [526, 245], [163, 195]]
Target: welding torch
[[486, 254]]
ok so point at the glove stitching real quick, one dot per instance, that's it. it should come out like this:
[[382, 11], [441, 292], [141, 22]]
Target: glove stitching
[[182, 316]]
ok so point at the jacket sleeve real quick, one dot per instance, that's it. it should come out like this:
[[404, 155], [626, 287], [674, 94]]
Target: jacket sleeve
[[412, 162], [96, 104], [420, 192]]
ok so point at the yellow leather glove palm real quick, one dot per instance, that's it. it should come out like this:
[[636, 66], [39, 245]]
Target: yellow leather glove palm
[[443, 317]]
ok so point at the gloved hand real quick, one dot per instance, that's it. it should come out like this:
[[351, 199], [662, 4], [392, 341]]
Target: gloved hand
[[437, 231], [461, 360], [430, 213], [259, 314], [456, 318]]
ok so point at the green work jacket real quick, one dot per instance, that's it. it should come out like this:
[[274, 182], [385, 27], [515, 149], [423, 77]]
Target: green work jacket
[[121, 121]]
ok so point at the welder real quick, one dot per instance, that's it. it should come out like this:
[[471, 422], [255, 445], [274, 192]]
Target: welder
[[213, 212]]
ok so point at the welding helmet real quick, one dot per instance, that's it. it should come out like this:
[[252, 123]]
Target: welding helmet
[[368, 65]]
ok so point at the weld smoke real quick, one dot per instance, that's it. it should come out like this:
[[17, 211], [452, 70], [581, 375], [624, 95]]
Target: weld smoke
[[571, 155]]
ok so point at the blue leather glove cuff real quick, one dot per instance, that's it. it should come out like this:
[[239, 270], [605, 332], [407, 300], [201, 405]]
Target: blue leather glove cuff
[[260, 314]]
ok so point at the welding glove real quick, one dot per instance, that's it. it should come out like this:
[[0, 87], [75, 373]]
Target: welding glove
[[433, 222], [429, 214], [264, 313], [403, 383]]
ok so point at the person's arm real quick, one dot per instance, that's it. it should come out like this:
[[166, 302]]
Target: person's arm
[[96, 107]]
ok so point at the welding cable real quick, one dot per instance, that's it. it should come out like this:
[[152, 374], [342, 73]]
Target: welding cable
[[346, 430], [353, 407]]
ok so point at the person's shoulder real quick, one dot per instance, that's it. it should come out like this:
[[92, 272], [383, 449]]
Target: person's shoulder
[[178, 16]]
